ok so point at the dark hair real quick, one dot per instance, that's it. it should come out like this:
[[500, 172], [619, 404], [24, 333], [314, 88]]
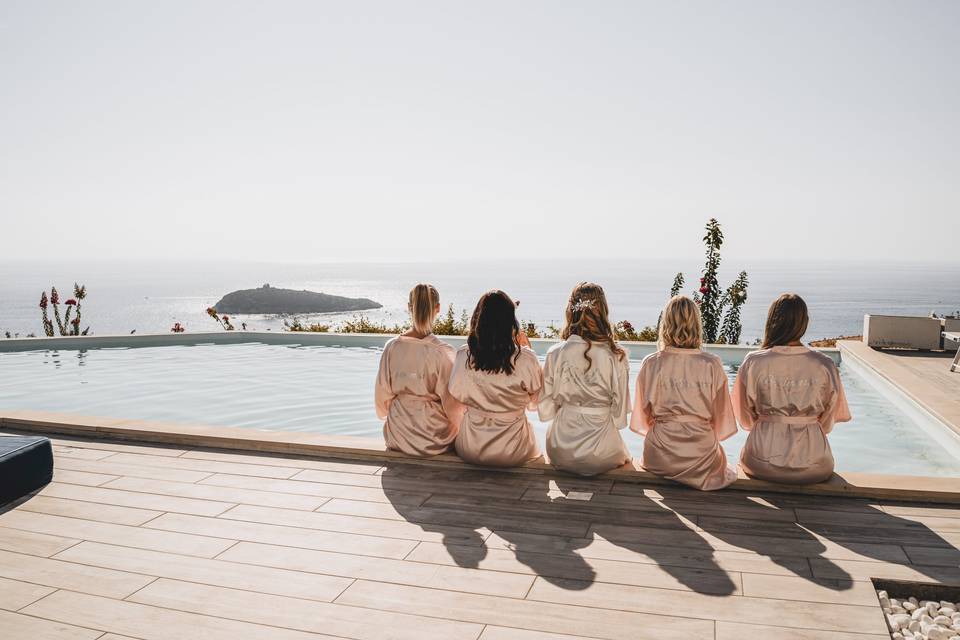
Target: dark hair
[[787, 321], [588, 316], [492, 342]]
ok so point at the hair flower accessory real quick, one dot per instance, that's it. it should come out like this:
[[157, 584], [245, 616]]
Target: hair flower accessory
[[582, 304]]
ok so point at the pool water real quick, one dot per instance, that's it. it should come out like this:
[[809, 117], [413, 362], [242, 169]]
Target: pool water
[[330, 390]]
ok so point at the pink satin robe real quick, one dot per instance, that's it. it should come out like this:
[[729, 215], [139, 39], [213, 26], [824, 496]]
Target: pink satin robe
[[682, 407], [788, 398], [412, 395], [588, 407], [495, 431]]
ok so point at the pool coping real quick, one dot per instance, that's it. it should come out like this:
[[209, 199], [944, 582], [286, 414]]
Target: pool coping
[[851, 485]]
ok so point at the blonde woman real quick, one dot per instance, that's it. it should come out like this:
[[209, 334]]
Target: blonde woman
[[586, 389], [421, 417], [683, 405], [788, 397]]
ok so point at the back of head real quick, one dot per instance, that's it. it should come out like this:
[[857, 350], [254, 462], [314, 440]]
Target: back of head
[[787, 321], [492, 341], [424, 300], [588, 316], [681, 325]]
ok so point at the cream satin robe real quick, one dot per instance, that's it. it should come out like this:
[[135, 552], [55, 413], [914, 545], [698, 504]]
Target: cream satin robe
[[495, 430], [412, 395], [588, 406], [683, 409], [788, 398]]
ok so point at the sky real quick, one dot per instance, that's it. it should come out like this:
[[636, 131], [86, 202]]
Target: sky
[[386, 130]]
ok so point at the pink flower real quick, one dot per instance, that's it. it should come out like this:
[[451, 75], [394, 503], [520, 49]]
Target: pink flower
[[54, 297], [704, 290], [43, 300], [226, 318], [70, 302], [75, 321]]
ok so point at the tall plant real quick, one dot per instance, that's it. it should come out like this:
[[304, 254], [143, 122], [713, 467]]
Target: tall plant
[[719, 309], [63, 324]]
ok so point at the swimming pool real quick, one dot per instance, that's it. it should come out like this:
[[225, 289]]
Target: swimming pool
[[329, 389]]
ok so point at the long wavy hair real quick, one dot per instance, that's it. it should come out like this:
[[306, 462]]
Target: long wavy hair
[[492, 341], [681, 325], [787, 321], [588, 316]]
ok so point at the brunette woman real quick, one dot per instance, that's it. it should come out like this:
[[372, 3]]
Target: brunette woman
[[788, 397], [497, 377], [682, 404], [586, 388], [412, 395]]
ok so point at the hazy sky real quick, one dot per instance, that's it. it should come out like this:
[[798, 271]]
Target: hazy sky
[[406, 130]]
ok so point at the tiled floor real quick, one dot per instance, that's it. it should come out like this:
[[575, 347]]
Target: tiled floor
[[169, 544]]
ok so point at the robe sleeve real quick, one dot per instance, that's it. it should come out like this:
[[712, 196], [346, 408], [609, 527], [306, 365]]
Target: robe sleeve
[[837, 410], [547, 407], [723, 420], [744, 405], [383, 394], [457, 373], [452, 408], [532, 378], [642, 417], [621, 392]]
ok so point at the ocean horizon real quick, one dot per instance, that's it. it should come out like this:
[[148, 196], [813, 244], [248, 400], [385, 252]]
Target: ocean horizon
[[150, 296]]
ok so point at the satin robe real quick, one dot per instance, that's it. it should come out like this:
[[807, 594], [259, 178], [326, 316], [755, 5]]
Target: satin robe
[[588, 407], [683, 409], [412, 395], [495, 431], [788, 398]]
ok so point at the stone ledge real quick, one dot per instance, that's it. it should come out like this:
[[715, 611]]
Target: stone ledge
[[851, 485]]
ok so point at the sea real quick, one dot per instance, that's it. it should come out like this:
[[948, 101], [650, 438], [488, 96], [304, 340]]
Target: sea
[[149, 297]]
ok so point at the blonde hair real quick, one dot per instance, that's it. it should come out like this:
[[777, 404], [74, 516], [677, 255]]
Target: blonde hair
[[423, 303], [681, 325], [587, 316]]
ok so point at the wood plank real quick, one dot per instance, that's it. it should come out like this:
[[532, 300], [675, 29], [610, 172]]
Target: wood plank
[[88, 511], [736, 631], [525, 614], [210, 466], [759, 611], [703, 557], [351, 524], [933, 555], [118, 534], [263, 579], [282, 535], [99, 444], [208, 493], [505, 633], [303, 615], [60, 451], [16, 594], [66, 575], [17, 625], [36, 544], [813, 546], [863, 570], [81, 477], [151, 623], [132, 470], [574, 566], [450, 578], [111, 496], [810, 589], [900, 509], [344, 466], [317, 489], [911, 523], [397, 482]]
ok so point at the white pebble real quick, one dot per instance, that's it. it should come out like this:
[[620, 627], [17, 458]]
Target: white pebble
[[898, 610], [943, 621], [944, 603], [896, 635], [898, 621], [907, 606], [913, 600], [947, 611], [919, 611]]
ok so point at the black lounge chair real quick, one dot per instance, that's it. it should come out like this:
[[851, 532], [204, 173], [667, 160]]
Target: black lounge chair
[[26, 464]]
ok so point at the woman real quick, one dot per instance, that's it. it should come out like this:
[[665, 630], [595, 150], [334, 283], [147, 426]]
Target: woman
[[411, 391], [497, 377], [788, 397], [586, 389], [682, 404]]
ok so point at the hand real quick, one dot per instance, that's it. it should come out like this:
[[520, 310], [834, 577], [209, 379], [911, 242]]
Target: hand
[[523, 340]]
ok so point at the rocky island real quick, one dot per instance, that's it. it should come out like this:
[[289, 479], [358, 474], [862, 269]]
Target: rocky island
[[269, 299]]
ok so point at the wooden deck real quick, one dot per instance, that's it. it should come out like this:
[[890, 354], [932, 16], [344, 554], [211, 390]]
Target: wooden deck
[[159, 543], [924, 376]]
